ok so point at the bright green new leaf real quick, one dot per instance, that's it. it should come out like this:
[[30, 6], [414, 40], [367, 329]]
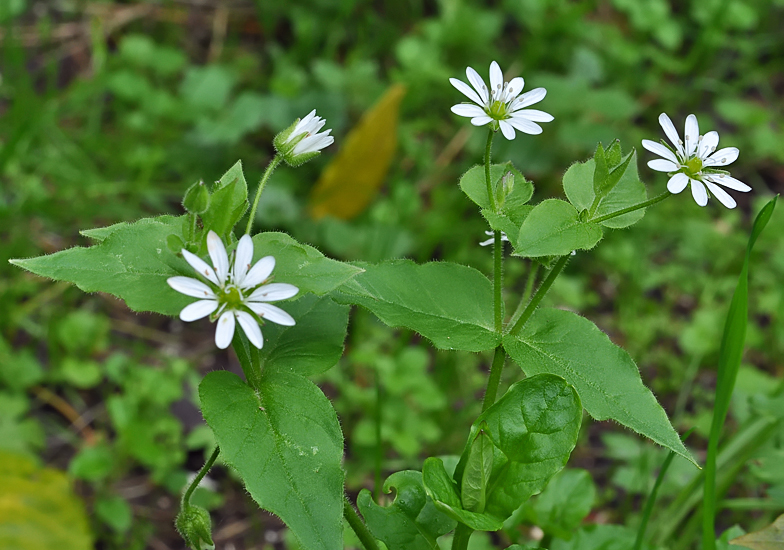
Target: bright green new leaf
[[441, 489], [228, 202], [412, 521], [285, 442], [565, 344], [553, 228], [313, 345], [769, 538], [478, 467], [450, 304], [561, 507], [38, 508], [132, 262], [627, 191], [534, 429]]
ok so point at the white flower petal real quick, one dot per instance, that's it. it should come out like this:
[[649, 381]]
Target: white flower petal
[[198, 310], [662, 165], [487, 242], [699, 193], [528, 98], [218, 255], [273, 292], [313, 143], [272, 313], [514, 87], [507, 129], [224, 331], [190, 287], [671, 132], [201, 267], [660, 150], [721, 194], [534, 115], [242, 260], [722, 157], [496, 79], [478, 83], [729, 182], [259, 272], [466, 90], [691, 135], [481, 120], [677, 183], [708, 144], [250, 327], [303, 125], [524, 125], [466, 109]]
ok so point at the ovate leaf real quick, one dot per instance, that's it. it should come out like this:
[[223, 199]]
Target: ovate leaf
[[450, 304], [228, 202], [411, 521], [477, 472], [38, 508], [353, 178], [554, 228], [565, 344], [285, 442]]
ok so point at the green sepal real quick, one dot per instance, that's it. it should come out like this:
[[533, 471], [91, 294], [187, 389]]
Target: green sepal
[[286, 149], [194, 525], [196, 199]]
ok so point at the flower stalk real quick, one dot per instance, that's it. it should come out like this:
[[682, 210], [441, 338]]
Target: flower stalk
[[276, 160]]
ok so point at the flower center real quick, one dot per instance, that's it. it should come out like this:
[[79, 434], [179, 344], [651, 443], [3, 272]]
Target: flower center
[[694, 166], [231, 296], [497, 110]]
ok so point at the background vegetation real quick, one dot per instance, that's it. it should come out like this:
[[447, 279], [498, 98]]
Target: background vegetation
[[110, 110]]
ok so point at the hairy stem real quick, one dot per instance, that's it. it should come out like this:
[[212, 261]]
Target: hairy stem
[[358, 526], [529, 288], [623, 211], [267, 173], [494, 378], [488, 150], [540, 292], [196, 480]]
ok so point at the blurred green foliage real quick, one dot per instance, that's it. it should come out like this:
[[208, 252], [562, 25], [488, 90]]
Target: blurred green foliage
[[118, 121]]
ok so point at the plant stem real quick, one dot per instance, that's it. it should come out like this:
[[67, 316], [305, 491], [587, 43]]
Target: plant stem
[[379, 443], [646, 514], [196, 480], [495, 378], [540, 292], [363, 534], [488, 149], [623, 211], [529, 288], [498, 279], [462, 534], [267, 173]]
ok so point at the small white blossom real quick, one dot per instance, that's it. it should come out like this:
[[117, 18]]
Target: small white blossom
[[695, 160], [237, 291], [489, 241], [312, 141], [502, 105]]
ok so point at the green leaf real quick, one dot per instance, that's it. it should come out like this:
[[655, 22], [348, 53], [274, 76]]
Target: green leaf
[[563, 505], [553, 228], [412, 521], [599, 537], [563, 343], [38, 508], [285, 442], [450, 304], [534, 429], [769, 538], [313, 345], [115, 512], [133, 262], [479, 466], [228, 202], [441, 489], [627, 191]]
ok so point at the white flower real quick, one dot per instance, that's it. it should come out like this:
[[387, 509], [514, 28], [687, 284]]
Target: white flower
[[489, 241], [695, 162], [237, 291], [311, 141], [502, 106]]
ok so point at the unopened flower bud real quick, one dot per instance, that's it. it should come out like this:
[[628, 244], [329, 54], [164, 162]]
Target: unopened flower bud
[[196, 199], [193, 523], [302, 141]]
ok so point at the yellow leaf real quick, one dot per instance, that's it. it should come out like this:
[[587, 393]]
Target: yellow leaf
[[353, 178], [38, 509], [769, 538]]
